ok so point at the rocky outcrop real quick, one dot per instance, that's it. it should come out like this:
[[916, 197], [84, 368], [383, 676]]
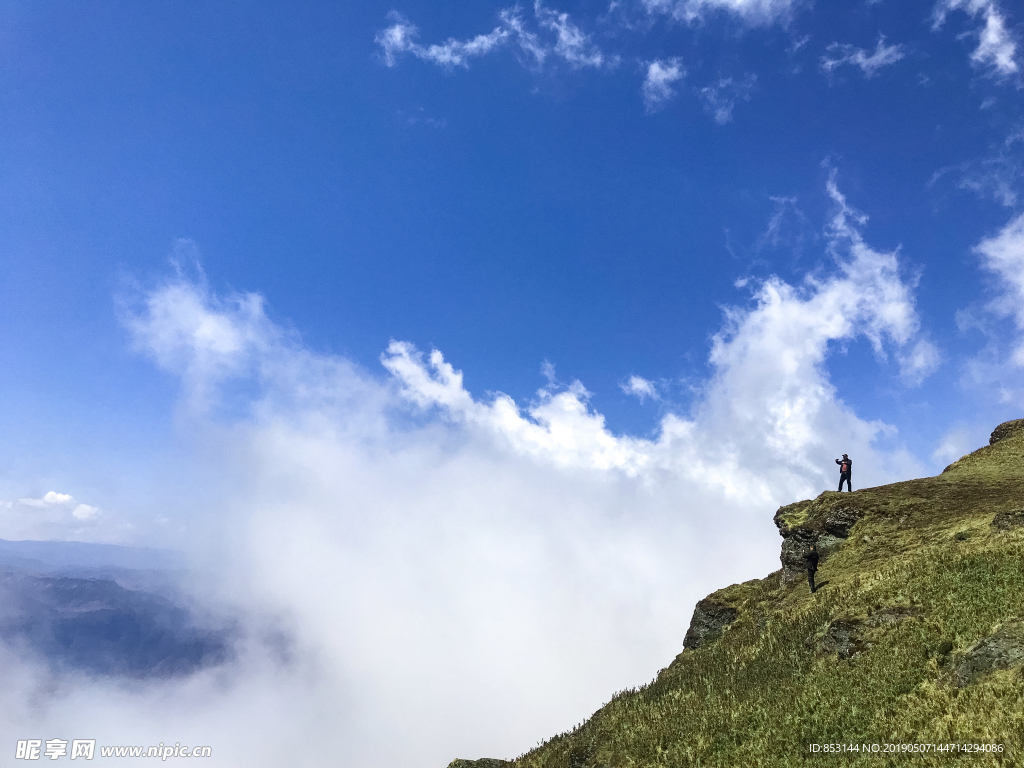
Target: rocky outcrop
[[1004, 521], [840, 520], [794, 546], [820, 523], [1001, 650], [709, 619], [1005, 429]]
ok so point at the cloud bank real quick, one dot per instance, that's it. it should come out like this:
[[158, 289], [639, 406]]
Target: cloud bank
[[461, 575]]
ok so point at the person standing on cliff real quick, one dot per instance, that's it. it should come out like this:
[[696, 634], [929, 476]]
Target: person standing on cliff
[[811, 558], [845, 471]]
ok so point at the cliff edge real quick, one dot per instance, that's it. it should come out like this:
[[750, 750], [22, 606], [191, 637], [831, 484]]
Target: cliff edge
[[916, 637]]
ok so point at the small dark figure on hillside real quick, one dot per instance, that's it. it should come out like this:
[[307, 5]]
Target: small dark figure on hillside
[[811, 558], [845, 471]]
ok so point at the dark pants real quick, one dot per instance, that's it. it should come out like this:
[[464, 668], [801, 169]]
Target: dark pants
[[844, 477], [810, 579]]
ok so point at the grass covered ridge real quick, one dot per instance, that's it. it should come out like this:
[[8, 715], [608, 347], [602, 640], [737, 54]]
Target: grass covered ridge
[[877, 655]]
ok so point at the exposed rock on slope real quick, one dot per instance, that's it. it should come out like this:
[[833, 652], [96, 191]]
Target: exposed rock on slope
[[825, 522], [709, 619], [1003, 649]]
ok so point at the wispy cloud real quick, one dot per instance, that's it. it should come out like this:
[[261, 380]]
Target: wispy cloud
[[720, 98], [657, 89], [870, 63], [788, 227], [1003, 254], [754, 12], [995, 369], [571, 43], [996, 47], [999, 176], [563, 40]]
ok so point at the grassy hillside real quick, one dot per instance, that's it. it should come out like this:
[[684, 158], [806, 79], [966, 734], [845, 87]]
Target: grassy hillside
[[915, 636]]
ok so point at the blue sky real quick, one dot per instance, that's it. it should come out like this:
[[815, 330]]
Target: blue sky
[[684, 251], [506, 214]]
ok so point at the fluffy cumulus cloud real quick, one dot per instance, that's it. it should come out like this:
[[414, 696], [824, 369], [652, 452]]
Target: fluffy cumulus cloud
[[754, 12], [660, 76], [461, 575], [554, 35], [996, 48], [869, 63]]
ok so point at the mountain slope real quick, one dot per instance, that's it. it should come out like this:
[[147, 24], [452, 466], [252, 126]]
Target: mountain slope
[[915, 636]]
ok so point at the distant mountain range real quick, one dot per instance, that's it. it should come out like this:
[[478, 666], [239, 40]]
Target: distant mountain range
[[60, 555], [103, 609]]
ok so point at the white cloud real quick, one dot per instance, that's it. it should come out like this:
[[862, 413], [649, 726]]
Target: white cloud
[[720, 98], [572, 44], [566, 41], [49, 499], [919, 362], [1003, 254], [996, 47], [657, 88], [52, 516], [400, 38], [204, 348], [883, 56], [85, 512], [641, 388], [754, 12]]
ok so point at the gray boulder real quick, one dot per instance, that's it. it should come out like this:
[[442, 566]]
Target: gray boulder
[[1001, 650], [1004, 521], [709, 619]]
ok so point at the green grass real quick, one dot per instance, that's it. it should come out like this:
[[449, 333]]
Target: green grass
[[923, 551]]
